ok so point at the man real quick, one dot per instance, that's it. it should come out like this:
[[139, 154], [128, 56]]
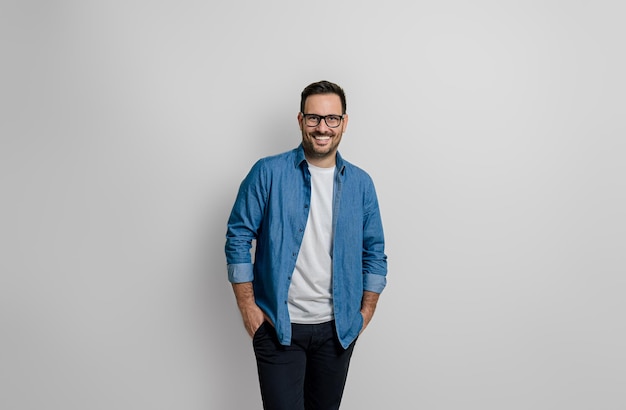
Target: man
[[319, 260]]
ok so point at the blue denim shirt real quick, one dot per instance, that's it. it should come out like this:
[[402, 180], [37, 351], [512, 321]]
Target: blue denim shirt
[[272, 207]]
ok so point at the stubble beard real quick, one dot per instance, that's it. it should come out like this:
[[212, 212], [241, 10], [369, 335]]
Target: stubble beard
[[317, 151]]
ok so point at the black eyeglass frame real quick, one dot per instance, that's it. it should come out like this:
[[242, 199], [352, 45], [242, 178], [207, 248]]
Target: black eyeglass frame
[[322, 117]]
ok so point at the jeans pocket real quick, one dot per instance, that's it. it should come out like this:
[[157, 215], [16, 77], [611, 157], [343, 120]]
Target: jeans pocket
[[259, 330]]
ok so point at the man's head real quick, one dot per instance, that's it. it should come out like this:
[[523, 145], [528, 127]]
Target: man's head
[[323, 87], [322, 120]]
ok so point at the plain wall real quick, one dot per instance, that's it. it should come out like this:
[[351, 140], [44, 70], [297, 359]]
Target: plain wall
[[495, 134]]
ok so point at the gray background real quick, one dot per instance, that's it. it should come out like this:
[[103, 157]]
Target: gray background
[[494, 131]]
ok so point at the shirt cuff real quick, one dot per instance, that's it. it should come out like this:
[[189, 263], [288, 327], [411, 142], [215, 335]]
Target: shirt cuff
[[374, 283], [240, 272]]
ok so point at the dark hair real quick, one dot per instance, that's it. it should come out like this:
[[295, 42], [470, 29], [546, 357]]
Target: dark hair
[[323, 87]]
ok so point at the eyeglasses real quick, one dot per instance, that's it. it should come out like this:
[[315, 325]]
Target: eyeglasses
[[313, 120]]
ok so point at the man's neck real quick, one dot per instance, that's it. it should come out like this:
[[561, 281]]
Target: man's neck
[[327, 161]]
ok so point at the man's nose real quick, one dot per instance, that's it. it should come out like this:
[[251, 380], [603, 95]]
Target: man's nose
[[322, 125]]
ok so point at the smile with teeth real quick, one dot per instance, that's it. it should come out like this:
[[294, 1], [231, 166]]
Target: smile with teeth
[[322, 137]]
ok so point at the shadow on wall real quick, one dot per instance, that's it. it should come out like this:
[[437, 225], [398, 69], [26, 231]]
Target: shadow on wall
[[230, 374], [226, 347]]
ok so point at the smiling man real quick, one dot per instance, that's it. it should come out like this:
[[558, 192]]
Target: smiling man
[[322, 121], [319, 263]]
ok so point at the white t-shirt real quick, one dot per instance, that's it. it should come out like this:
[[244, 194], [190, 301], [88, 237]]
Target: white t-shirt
[[310, 292]]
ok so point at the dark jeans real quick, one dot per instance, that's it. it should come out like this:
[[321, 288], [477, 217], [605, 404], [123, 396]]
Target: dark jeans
[[310, 374]]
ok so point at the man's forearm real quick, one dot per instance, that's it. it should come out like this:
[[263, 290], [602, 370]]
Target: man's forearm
[[251, 314], [369, 302], [244, 294], [368, 307]]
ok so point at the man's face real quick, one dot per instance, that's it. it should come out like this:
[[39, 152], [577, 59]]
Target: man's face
[[320, 142]]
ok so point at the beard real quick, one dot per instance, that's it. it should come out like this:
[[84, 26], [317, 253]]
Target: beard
[[320, 145]]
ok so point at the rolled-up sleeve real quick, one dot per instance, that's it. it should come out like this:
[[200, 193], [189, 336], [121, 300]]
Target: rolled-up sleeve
[[240, 272], [374, 258], [243, 224]]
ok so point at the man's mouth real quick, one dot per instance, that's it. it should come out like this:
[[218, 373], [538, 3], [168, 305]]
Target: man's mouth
[[321, 137]]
